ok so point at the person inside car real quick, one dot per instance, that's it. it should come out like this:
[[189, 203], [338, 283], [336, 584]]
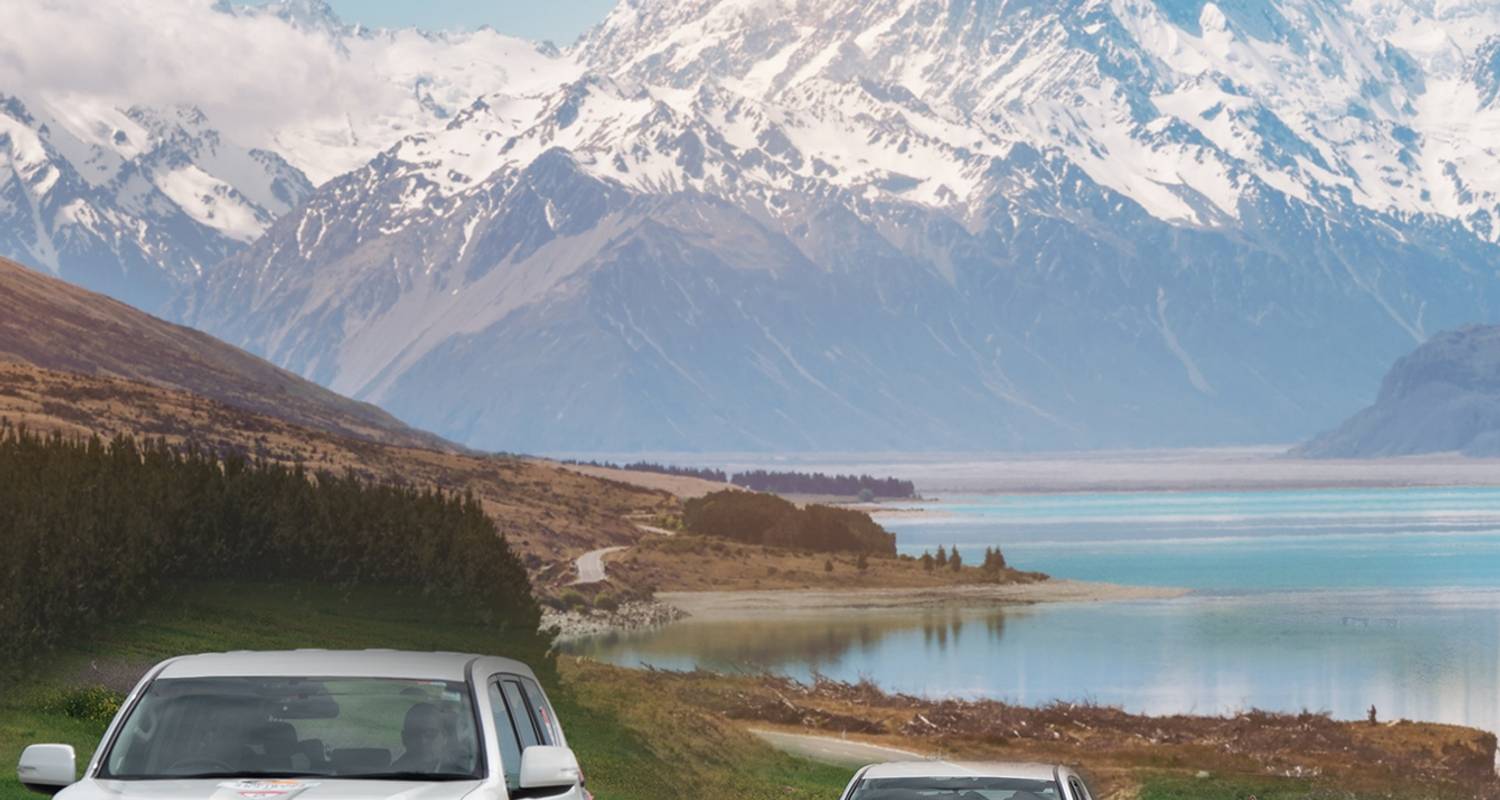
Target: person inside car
[[425, 738]]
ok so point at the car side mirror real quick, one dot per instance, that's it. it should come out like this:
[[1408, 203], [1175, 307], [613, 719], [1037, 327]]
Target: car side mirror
[[47, 768], [547, 767]]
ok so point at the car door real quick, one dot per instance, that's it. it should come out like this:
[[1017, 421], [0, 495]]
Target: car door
[[523, 719]]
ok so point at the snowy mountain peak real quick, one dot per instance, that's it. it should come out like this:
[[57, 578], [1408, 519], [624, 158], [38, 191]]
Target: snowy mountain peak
[[817, 223], [313, 16], [134, 202]]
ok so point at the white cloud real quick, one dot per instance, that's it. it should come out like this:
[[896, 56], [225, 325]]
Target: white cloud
[[251, 74]]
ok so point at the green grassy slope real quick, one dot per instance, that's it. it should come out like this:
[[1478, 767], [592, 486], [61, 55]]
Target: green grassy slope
[[631, 745]]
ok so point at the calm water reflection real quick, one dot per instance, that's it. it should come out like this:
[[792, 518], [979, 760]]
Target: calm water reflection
[[1422, 655], [1329, 600]]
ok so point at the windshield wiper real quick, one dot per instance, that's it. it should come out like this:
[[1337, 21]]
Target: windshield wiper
[[405, 776]]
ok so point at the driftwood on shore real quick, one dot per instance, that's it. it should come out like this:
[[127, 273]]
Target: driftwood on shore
[[1305, 745]]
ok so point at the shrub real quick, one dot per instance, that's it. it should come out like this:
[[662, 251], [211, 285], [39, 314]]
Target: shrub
[[764, 519], [574, 601], [607, 602], [828, 565], [88, 703]]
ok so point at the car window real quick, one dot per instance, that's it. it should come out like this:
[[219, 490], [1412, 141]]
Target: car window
[[510, 740], [542, 710], [526, 724]]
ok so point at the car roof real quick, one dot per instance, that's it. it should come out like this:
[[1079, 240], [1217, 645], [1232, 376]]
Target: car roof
[[960, 769], [339, 663]]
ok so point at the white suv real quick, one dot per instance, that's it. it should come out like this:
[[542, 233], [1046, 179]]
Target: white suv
[[311, 724], [948, 780]]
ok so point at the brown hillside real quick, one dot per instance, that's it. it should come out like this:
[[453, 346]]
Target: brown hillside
[[551, 515], [54, 325]]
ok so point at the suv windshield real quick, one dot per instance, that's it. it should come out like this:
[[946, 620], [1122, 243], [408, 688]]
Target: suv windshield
[[965, 788], [286, 726]]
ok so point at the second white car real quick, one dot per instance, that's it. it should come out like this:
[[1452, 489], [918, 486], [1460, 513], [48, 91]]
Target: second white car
[[948, 780]]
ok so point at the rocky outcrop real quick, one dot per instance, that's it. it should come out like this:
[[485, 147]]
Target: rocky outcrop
[[1443, 397]]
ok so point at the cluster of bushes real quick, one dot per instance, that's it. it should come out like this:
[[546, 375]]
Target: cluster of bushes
[[574, 600], [864, 486], [88, 703], [818, 483], [994, 560], [768, 520], [91, 530], [715, 475]]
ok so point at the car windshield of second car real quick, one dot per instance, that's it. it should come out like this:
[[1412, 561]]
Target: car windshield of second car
[[956, 788]]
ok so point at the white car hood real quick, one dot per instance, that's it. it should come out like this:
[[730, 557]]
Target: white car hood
[[310, 788]]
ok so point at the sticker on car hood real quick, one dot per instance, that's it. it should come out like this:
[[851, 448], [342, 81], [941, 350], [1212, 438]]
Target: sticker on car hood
[[267, 789]]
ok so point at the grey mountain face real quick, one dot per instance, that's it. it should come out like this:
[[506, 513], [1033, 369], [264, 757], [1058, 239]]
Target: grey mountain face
[[136, 204], [1442, 397], [902, 224]]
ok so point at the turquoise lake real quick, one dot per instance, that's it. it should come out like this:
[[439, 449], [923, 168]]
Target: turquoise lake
[[1324, 600]]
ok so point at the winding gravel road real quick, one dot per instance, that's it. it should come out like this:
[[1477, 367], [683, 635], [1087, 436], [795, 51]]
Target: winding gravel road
[[591, 565], [838, 752]]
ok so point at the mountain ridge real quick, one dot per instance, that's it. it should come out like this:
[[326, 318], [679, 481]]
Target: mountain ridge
[[53, 325], [1443, 396], [951, 247], [774, 224]]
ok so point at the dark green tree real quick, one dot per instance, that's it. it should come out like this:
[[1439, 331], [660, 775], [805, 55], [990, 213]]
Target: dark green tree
[[90, 530]]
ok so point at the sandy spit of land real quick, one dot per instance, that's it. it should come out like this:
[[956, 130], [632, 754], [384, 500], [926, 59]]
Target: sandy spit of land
[[682, 486], [738, 605], [1203, 469]]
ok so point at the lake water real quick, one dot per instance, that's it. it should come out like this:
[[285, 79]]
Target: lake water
[[1328, 600]]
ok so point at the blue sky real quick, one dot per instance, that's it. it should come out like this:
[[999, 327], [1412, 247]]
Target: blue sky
[[558, 20]]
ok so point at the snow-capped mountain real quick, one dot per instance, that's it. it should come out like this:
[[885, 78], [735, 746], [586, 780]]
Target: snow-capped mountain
[[878, 224], [138, 199], [132, 202], [400, 82]]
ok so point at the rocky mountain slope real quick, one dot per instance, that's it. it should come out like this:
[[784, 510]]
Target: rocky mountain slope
[[907, 224], [53, 325], [1442, 397]]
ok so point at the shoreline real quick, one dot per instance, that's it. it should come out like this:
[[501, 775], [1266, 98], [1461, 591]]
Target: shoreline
[[731, 605], [632, 616]]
